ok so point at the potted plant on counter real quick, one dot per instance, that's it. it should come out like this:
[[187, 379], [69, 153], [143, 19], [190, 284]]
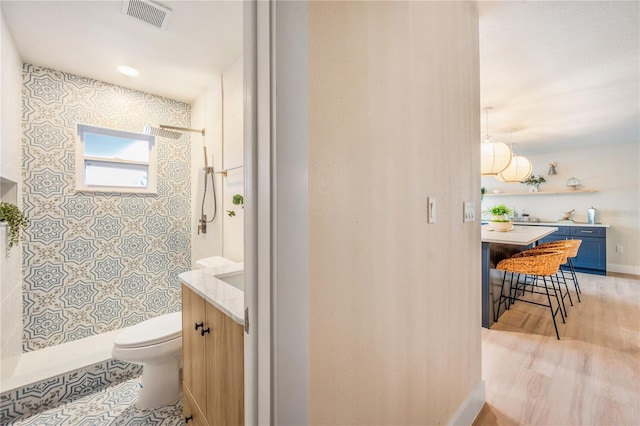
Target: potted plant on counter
[[500, 222], [15, 219]]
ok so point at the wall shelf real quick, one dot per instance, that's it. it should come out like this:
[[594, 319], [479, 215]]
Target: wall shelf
[[577, 191]]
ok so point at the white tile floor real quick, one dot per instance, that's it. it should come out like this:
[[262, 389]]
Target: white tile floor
[[114, 405]]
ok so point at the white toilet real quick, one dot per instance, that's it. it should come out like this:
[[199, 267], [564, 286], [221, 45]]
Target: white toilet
[[157, 345]]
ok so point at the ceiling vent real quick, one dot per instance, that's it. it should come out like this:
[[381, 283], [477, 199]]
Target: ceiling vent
[[147, 11]]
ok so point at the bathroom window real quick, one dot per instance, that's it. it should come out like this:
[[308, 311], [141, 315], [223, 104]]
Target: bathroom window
[[110, 160]]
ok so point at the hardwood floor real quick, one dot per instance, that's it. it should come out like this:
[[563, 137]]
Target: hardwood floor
[[589, 377]]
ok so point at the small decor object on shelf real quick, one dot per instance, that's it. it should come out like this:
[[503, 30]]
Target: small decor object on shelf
[[574, 183], [566, 216], [237, 200], [16, 220], [534, 182], [482, 192], [500, 222]]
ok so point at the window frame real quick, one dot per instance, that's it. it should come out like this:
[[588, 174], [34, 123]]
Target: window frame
[[81, 161]]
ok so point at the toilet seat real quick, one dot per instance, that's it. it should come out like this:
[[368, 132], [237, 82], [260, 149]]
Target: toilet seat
[[156, 330]]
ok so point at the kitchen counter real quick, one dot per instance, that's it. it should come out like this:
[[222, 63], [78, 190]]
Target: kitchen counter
[[520, 237], [600, 225], [207, 283]]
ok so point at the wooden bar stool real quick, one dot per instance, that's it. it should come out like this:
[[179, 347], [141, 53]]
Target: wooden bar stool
[[535, 264], [571, 247]]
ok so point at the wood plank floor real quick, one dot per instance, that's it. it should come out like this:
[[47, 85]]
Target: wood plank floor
[[589, 377]]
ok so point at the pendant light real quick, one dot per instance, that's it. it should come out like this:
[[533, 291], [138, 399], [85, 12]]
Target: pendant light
[[494, 156], [518, 170]]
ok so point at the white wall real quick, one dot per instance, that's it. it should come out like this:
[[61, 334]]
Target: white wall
[[225, 235], [612, 170], [206, 112], [10, 137], [394, 301], [233, 156]]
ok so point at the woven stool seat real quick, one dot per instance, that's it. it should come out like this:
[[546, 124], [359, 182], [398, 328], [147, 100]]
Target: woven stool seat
[[571, 247], [536, 264]]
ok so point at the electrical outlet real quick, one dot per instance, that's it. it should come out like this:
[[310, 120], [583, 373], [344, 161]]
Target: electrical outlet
[[469, 211], [431, 210], [619, 249]]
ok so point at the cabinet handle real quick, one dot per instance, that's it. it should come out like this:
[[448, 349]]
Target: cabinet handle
[[587, 232], [188, 419], [199, 324], [205, 331]]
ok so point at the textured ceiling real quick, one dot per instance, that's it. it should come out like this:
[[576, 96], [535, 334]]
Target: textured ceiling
[[92, 38], [560, 74]]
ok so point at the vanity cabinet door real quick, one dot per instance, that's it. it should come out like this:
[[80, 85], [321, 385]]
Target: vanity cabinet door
[[225, 353], [194, 370]]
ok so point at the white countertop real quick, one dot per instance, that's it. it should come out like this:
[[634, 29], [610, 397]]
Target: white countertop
[[519, 235], [223, 296], [600, 225]]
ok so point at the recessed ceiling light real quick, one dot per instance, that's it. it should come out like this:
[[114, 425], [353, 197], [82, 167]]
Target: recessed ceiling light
[[128, 70]]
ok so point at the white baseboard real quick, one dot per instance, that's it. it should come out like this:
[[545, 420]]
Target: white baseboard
[[623, 269], [470, 408]]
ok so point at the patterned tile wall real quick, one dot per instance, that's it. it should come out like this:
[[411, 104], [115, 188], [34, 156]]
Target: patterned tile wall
[[95, 262]]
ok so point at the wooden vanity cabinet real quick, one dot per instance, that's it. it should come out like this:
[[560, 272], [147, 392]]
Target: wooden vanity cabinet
[[213, 363]]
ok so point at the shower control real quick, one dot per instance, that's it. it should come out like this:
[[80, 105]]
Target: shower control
[[205, 331], [202, 224], [199, 324]]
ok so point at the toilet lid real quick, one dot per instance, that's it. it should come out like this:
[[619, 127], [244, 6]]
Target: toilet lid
[[150, 332]]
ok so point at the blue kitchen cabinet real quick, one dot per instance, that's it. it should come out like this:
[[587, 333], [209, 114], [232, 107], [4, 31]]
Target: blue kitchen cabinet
[[592, 255]]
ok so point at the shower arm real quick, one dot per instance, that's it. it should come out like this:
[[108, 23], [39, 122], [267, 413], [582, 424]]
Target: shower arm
[[182, 129]]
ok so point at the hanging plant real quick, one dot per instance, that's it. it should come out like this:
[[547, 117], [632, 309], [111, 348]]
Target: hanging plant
[[237, 200], [16, 220]]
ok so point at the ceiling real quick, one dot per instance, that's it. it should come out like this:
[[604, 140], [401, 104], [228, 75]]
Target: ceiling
[[92, 38], [558, 74]]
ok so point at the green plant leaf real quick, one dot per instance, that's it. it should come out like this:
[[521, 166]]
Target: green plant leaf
[[16, 220], [231, 213], [238, 200]]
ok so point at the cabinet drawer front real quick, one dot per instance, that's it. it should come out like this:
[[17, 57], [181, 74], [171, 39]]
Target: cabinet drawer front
[[191, 412], [588, 231], [562, 231]]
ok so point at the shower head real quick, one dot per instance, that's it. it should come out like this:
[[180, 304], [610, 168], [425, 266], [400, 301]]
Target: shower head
[[154, 131], [167, 131]]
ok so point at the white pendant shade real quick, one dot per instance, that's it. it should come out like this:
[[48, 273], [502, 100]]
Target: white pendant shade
[[495, 157], [517, 171]]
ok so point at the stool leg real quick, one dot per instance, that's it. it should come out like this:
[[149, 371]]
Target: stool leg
[[553, 314], [561, 300], [564, 280], [496, 314], [574, 277]]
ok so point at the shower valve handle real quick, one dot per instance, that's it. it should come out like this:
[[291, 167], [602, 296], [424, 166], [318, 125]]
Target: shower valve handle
[[199, 324], [205, 331]]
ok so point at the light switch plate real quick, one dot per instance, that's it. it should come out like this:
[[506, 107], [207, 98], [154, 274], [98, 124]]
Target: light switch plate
[[431, 210], [469, 211]]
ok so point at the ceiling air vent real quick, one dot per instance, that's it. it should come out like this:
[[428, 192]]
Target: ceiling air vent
[[147, 11]]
